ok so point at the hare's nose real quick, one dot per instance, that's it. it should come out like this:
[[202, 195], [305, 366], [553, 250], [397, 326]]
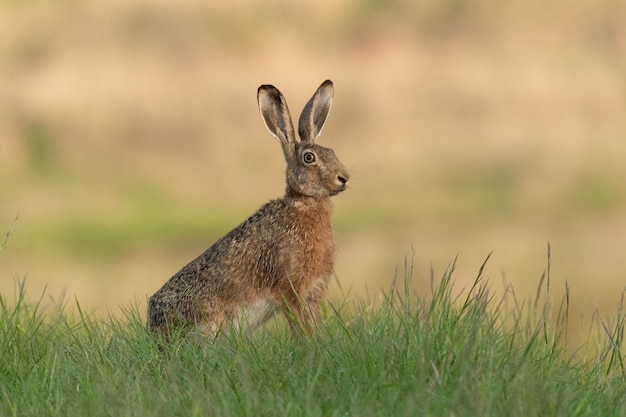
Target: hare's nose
[[343, 180]]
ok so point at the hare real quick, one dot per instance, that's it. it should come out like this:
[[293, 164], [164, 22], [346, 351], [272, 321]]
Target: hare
[[282, 257]]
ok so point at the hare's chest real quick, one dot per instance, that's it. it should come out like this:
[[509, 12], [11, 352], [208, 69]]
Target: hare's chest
[[318, 236], [318, 251], [311, 238]]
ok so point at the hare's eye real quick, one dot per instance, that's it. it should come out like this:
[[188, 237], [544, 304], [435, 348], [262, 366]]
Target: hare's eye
[[308, 157]]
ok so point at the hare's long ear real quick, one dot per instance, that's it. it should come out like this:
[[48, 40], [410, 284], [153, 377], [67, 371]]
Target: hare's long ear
[[315, 112], [275, 113]]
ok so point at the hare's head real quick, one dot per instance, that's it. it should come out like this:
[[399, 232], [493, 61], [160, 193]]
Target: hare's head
[[312, 170]]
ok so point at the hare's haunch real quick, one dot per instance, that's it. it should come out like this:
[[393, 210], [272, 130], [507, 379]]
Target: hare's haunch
[[281, 257]]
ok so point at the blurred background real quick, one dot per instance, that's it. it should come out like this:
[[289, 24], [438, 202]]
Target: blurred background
[[130, 138]]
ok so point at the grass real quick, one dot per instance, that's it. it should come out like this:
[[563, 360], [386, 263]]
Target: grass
[[453, 353]]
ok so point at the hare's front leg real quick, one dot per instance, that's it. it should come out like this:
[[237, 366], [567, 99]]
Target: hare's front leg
[[303, 310], [316, 294]]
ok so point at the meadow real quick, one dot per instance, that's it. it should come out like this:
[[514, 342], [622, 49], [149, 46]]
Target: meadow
[[397, 355], [130, 140]]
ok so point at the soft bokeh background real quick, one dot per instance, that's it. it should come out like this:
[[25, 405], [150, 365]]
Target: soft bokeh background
[[130, 138]]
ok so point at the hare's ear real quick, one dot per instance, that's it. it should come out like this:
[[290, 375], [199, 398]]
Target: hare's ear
[[315, 112], [275, 113]]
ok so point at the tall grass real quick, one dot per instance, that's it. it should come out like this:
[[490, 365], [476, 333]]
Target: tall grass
[[7, 235], [451, 353]]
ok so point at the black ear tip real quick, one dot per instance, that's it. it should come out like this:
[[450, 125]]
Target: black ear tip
[[269, 94], [327, 83], [267, 88]]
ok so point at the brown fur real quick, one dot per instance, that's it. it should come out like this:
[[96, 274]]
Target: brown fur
[[281, 257]]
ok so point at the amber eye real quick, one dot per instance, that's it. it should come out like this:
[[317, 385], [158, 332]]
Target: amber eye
[[308, 157]]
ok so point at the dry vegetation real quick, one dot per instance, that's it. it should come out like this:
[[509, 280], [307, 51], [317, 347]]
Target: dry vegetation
[[130, 138]]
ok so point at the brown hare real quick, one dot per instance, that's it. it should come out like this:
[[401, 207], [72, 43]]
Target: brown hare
[[282, 257]]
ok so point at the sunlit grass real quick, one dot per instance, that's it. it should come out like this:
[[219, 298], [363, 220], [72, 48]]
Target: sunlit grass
[[468, 127], [461, 353]]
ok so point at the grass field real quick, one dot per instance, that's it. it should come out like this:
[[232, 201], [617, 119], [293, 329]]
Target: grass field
[[394, 355]]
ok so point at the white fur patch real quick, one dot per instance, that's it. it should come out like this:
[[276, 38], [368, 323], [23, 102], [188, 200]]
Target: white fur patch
[[256, 313]]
